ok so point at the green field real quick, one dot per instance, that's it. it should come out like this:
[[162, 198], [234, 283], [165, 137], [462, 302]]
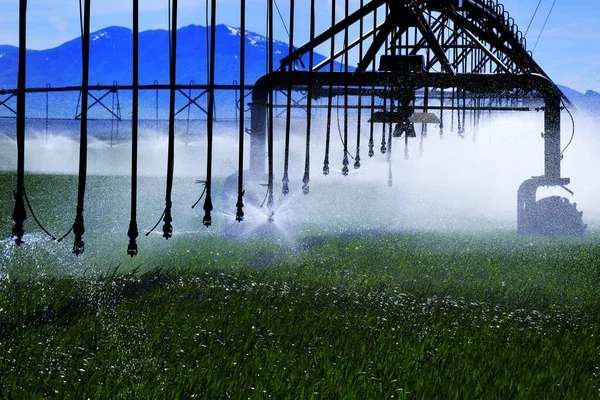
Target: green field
[[326, 315]]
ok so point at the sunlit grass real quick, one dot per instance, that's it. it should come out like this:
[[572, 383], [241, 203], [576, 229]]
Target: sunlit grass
[[376, 315]]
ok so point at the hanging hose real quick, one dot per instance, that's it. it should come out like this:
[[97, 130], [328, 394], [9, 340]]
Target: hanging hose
[[306, 178], [358, 122], [441, 112], [371, 123], [383, 148], [330, 94], [132, 232], [270, 200], [208, 206], [285, 188], [19, 216], [345, 161], [201, 194], [168, 219], [35, 218], [78, 225], [452, 113], [389, 157], [239, 215]]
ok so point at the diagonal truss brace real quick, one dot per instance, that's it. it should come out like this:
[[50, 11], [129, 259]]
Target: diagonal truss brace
[[4, 101], [98, 100]]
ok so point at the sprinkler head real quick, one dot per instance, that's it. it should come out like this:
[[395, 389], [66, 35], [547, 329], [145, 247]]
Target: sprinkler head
[[325, 169], [18, 232], [357, 163], [410, 130], [285, 187], [345, 170], [167, 230], [239, 216], [132, 249], [78, 246], [305, 189], [397, 131]]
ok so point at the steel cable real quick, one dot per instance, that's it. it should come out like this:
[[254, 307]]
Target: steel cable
[[533, 17], [544, 26]]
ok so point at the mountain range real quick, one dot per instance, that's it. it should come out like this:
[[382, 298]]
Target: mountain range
[[110, 60]]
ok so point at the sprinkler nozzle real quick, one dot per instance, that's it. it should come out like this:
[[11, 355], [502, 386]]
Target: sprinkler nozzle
[[285, 187], [208, 207], [18, 232], [19, 216], [132, 233], [326, 168], [239, 216], [167, 227], [132, 249], [357, 162], [78, 246], [305, 184], [167, 230], [78, 230], [305, 189]]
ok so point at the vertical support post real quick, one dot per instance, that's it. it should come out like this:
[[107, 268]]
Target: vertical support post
[[239, 216], [112, 118], [47, 110], [167, 227], [452, 111], [78, 226], [285, 189], [552, 154], [371, 123], [441, 112], [189, 109], [258, 134], [358, 121], [330, 94], [271, 101], [19, 215], [309, 98], [132, 233], [208, 207], [156, 104], [345, 161]]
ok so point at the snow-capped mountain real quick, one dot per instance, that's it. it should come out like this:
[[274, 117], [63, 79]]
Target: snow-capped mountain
[[110, 58]]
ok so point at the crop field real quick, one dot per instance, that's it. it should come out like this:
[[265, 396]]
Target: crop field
[[344, 313]]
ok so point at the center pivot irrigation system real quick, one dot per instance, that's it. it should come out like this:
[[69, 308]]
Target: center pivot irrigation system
[[417, 62]]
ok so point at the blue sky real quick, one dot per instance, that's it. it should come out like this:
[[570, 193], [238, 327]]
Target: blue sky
[[569, 49]]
